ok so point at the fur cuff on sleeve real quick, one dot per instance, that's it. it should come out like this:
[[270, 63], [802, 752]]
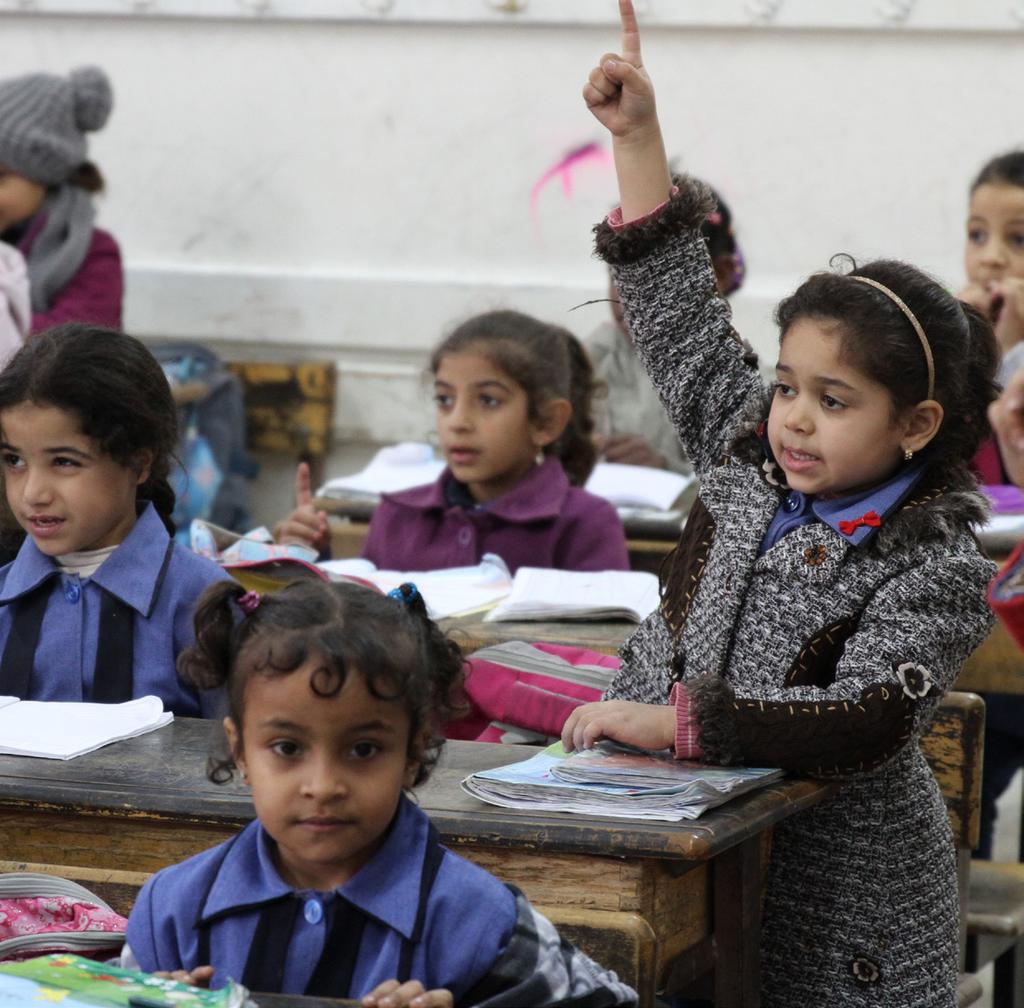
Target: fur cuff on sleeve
[[711, 704], [686, 209]]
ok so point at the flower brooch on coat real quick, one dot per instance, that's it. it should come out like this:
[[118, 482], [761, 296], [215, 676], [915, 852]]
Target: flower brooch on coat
[[915, 679]]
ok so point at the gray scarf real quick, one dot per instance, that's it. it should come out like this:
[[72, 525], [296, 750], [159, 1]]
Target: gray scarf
[[61, 246]]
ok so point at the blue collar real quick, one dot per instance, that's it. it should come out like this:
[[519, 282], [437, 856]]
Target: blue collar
[[387, 887], [853, 516], [132, 573]]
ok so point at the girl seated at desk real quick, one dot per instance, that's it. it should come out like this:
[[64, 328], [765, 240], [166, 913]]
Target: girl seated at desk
[[98, 602], [513, 398], [828, 585], [341, 887]]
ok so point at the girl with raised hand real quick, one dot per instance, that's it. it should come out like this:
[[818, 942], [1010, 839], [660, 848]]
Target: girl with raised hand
[[827, 586], [513, 397], [98, 602], [340, 887]]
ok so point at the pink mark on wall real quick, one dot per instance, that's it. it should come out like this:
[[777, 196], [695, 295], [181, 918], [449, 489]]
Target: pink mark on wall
[[564, 170]]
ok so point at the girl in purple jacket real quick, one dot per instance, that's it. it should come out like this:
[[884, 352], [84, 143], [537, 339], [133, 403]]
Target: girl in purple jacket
[[513, 398], [46, 196]]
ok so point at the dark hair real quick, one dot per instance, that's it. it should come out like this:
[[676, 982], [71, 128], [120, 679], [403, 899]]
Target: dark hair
[[549, 363], [878, 340], [115, 388], [88, 177], [397, 649], [1004, 169], [717, 228]]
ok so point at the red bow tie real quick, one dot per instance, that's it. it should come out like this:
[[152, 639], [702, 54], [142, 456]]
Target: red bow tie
[[870, 519]]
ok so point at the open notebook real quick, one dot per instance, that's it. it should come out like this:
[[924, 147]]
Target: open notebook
[[541, 593], [56, 730]]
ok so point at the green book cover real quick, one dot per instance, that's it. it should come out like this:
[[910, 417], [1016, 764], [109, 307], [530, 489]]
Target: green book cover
[[74, 982]]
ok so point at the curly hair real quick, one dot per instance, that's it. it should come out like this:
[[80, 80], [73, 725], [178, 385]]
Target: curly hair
[[399, 652]]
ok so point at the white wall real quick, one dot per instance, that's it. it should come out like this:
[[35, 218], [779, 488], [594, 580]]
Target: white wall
[[350, 187]]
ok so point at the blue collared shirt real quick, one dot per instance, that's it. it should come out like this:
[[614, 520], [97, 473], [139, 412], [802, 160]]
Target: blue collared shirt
[[798, 509], [469, 920], [162, 595]]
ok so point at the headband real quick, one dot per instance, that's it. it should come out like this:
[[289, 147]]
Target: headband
[[912, 319]]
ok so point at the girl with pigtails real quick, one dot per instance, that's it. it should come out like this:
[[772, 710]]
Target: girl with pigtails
[[827, 587], [340, 887]]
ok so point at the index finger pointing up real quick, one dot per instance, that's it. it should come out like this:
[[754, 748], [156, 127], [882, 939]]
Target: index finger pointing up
[[630, 33]]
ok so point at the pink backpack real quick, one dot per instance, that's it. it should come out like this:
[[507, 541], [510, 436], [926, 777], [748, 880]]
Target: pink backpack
[[521, 692], [40, 914]]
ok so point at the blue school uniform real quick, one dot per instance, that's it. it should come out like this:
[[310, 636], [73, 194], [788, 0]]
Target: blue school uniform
[[415, 910], [110, 637]]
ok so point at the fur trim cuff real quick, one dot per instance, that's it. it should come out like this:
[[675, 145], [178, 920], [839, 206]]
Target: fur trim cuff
[[711, 705], [687, 209]]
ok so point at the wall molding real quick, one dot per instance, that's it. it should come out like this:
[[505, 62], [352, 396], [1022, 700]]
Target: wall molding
[[863, 15]]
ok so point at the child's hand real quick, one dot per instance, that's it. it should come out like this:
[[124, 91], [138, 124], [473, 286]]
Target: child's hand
[[1008, 301], [647, 726], [392, 994], [1006, 415], [618, 91], [199, 977], [305, 526]]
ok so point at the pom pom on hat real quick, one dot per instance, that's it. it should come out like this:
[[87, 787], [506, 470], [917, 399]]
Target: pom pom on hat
[[44, 119], [92, 97]]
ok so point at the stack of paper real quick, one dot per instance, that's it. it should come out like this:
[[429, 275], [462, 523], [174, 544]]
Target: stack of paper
[[53, 730], [610, 780], [447, 592], [541, 593], [395, 468], [631, 486]]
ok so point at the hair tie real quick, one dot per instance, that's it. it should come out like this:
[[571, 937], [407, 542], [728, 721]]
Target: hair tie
[[405, 593], [912, 318], [249, 602]]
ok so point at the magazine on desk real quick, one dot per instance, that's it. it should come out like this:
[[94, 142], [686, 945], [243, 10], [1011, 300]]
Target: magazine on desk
[[616, 781], [74, 982]]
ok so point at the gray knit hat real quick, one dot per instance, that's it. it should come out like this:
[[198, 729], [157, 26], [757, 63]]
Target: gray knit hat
[[44, 118]]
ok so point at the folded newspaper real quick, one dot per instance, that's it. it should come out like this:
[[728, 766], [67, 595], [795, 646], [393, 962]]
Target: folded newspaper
[[617, 781]]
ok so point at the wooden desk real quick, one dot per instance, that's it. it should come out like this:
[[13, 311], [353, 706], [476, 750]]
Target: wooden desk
[[662, 903]]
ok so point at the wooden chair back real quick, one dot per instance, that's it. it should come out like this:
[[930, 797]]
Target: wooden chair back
[[953, 747]]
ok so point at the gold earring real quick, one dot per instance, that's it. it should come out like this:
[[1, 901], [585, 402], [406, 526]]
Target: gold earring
[[907, 454]]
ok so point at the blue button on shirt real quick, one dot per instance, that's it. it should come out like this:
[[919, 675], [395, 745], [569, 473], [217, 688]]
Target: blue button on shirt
[[162, 590], [798, 509]]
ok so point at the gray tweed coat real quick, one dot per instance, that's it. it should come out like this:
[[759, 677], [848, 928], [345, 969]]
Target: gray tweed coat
[[820, 657]]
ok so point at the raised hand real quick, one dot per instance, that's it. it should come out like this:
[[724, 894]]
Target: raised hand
[[620, 95], [305, 526], [619, 92]]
